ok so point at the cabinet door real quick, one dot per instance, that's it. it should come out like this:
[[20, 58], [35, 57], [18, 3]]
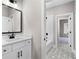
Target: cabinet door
[[28, 50], [10, 55], [16, 54], [23, 53]]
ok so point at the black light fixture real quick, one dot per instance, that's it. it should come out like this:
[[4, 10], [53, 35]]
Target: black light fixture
[[13, 1]]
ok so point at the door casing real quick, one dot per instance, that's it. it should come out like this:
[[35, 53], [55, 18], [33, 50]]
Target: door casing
[[43, 31], [70, 26]]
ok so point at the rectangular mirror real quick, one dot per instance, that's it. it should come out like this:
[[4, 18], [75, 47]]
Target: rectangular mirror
[[11, 20]]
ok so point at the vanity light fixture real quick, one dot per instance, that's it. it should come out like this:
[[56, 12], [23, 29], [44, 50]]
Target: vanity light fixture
[[13, 1]]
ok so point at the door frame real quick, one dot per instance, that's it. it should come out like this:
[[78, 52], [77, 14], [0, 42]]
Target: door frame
[[43, 27], [71, 16]]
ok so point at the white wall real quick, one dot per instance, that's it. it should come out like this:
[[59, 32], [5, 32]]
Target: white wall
[[50, 31], [62, 9], [5, 11], [32, 24]]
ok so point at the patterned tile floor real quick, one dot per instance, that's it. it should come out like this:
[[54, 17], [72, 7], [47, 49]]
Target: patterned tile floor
[[61, 53]]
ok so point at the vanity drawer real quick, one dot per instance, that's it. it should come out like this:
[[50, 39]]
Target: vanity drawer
[[6, 49], [19, 45]]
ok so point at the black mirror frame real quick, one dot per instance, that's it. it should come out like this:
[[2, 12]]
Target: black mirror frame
[[20, 23]]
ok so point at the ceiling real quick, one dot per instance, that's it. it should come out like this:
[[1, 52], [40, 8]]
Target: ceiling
[[52, 3]]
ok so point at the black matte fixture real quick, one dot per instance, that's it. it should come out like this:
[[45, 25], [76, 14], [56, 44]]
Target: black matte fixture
[[12, 1], [12, 36]]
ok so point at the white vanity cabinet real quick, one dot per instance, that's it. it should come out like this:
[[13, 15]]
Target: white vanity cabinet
[[17, 50], [28, 50], [7, 52], [20, 53], [10, 55]]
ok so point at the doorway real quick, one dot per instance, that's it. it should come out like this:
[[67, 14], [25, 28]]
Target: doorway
[[58, 31], [65, 30]]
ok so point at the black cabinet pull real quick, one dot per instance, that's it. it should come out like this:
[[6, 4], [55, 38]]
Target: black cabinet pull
[[21, 52], [18, 55]]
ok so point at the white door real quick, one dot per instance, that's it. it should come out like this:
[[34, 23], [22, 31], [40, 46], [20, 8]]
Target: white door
[[43, 30], [43, 39], [49, 28]]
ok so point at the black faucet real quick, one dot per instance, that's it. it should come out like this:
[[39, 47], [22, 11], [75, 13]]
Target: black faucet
[[12, 36]]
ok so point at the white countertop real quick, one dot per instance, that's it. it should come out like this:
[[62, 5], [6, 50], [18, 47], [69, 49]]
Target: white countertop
[[6, 41]]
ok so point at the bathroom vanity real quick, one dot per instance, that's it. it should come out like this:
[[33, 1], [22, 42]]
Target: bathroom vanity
[[15, 44], [18, 48]]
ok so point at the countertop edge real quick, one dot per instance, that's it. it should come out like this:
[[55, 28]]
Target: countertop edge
[[12, 42]]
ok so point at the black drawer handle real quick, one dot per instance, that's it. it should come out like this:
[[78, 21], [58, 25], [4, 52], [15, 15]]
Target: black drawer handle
[[21, 53], [18, 55]]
